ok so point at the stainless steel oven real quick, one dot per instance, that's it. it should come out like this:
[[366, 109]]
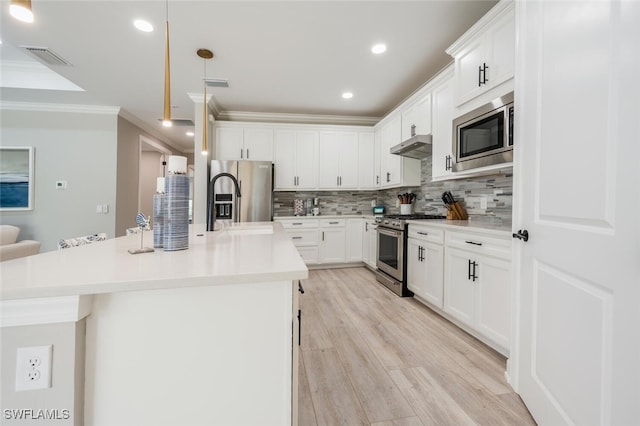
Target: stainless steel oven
[[391, 252], [484, 136]]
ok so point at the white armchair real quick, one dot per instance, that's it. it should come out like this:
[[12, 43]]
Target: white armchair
[[12, 249]]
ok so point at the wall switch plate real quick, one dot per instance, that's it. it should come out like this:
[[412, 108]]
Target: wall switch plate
[[33, 367], [99, 208], [61, 184]]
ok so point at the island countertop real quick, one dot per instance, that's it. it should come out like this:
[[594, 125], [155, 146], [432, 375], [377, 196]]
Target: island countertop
[[240, 253]]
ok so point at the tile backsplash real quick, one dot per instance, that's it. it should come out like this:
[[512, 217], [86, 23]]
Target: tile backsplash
[[487, 198]]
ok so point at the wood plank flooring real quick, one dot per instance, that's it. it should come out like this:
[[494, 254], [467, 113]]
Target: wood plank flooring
[[369, 357]]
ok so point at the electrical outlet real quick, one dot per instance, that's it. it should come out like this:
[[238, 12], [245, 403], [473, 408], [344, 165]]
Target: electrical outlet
[[33, 367]]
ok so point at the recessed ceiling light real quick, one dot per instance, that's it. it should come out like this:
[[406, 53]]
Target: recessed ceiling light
[[143, 25], [190, 134], [379, 48], [347, 95]]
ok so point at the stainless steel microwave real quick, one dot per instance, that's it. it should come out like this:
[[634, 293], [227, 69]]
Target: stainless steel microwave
[[484, 136]]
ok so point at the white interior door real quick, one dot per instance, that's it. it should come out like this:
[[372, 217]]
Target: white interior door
[[577, 349]]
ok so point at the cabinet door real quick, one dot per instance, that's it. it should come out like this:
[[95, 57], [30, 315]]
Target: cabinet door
[[354, 240], [391, 164], [468, 79], [433, 288], [328, 155], [367, 161], [285, 160], [501, 40], [229, 142], [419, 115], [306, 159], [416, 267], [348, 160], [442, 157], [258, 144], [493, 313], [459, 299], [332, 245]]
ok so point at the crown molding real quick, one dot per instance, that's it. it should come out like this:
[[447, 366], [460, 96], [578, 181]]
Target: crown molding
[[46, 107], [266, 117]]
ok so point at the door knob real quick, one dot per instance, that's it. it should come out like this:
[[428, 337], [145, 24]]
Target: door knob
[[522, 235]]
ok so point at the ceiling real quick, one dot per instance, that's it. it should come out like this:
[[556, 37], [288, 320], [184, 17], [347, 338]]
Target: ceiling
[[287, 57]]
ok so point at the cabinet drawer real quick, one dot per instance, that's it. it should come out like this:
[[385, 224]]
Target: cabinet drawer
[[480, 243], [424, 233], [299, 223], [309, 255], [332, 223], [303, 237]]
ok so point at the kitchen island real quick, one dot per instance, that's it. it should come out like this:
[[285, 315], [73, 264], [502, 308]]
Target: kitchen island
[[206, 335]]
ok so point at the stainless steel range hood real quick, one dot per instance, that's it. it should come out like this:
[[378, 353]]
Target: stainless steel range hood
[[418, 146]]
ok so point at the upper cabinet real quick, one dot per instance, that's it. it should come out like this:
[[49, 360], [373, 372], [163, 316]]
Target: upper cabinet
[[395, 170], [338, 160], [485, 54], [296, 157], [416, 120], [244, 143], [442, 133], [368, 160]]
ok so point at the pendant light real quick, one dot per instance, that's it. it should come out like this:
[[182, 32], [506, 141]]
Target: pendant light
[[166, 118], [21, 10], [204, 54]]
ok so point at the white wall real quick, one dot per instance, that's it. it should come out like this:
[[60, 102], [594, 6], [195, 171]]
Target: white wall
[[76, 147], [67, 371]]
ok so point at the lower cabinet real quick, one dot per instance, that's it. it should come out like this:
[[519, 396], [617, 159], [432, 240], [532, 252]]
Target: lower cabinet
[[327, 240], [304, 234], [425, 270], [370, 242], [333, 241], [478, 284], [425, 263], [467, 276], [354, 240]]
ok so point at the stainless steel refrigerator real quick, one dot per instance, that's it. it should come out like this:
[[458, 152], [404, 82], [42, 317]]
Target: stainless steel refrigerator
[[253, 180]]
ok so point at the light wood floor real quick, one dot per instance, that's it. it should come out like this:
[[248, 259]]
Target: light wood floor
[[369, 357]]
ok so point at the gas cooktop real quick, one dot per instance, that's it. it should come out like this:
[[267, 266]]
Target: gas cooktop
[[399, 221]]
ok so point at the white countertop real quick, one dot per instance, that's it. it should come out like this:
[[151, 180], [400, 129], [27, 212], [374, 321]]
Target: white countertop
[[240, 253], [465, 225]]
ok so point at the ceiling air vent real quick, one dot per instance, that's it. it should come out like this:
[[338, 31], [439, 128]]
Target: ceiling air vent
[[216, 82], [46, 55]]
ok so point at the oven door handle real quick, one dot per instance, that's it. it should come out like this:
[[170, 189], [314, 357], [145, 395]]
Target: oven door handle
[[389, 232]]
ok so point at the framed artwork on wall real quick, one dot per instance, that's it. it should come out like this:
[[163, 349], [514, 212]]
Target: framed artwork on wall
[[16, 178]]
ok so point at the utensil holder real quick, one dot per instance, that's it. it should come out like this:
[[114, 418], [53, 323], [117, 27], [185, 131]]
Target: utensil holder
[[457, 212], [406, 208]]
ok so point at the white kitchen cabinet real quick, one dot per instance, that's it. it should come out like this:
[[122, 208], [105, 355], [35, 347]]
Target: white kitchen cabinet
[[368, 161], [354, 242], [418, 115], [338, 160], [370, 242], [425, 263], [478, 284], [396, 170], [485, 54], [304, 234], [332, 241], [296, 154], [244, 143], [442, 149]]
